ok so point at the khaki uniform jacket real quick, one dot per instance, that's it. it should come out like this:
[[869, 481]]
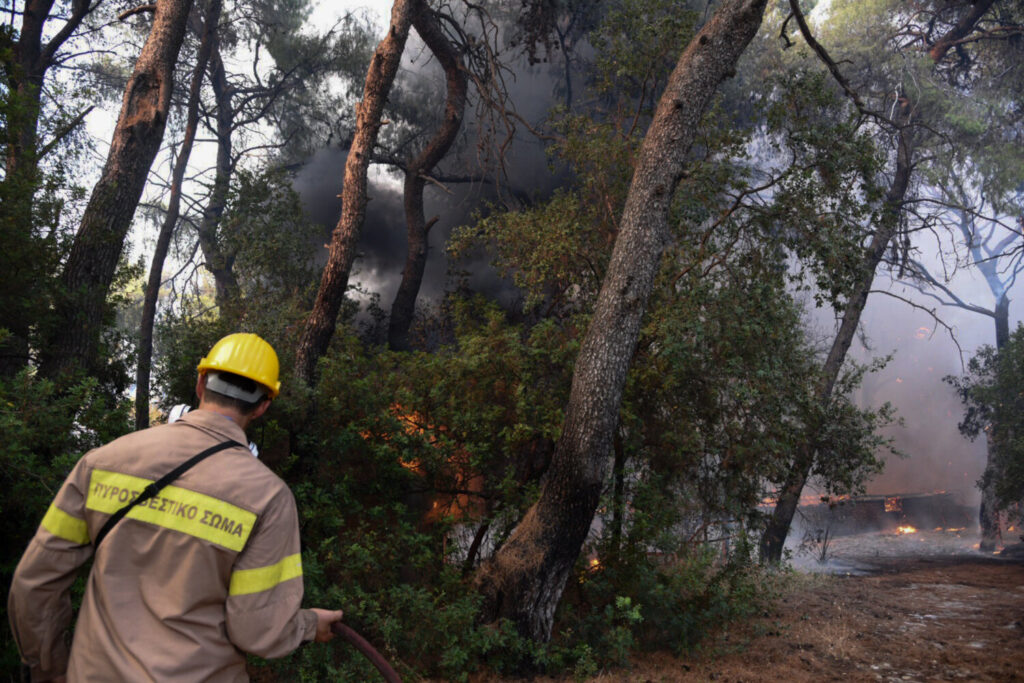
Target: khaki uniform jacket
[[181, 587]]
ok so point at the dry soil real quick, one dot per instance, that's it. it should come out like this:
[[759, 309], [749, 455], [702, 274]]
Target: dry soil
[[894, 609]]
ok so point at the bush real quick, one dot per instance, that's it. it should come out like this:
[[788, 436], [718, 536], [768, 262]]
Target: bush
[[44, 432]]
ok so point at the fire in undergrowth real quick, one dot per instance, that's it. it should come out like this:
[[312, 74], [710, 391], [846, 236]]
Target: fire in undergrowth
[[906, 529], [893, 504]]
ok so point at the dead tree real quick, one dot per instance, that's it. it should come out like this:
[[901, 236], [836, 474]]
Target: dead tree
[[988, 249]]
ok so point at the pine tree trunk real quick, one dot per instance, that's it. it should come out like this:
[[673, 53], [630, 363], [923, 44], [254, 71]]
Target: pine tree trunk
[[99, 243], [23, 260], [417, 228], [524, 580], [163, 242], [219, 261], [319, 328]]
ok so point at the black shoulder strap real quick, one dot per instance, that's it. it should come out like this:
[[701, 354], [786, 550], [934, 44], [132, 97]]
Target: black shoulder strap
[[154, 488]]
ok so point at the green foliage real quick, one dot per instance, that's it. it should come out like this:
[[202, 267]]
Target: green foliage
[[272, 244], [265, 226], [994, 402], [679, 601], [400, 461], [638, 45], [848, 439], [44, 432]]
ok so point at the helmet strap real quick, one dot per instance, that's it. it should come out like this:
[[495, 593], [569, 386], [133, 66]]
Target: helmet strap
[[215, 383]]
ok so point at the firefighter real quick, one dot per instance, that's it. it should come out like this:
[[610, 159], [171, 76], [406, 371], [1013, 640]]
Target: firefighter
[[205, 570]]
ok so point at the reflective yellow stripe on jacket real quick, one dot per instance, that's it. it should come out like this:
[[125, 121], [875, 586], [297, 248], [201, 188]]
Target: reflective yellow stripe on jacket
[[245, 581], [189, 512], [63, 525]]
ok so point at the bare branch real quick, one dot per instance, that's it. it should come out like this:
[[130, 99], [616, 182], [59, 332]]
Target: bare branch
[[64, 131], [136, 10], [918, 269], [79, 9], [930, 311], [833, 68]]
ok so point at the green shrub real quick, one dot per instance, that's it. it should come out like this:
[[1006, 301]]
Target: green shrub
[[44, 432]]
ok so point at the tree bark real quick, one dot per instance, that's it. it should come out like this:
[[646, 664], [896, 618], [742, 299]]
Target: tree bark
[[319, 328], [988, 512], [960, 30], [524, 580], [402, 309], [163, 242], [22, 294], [774, 537], [98, 245], [218, 260]]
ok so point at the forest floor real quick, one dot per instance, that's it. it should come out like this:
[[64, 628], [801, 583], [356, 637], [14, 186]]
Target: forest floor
[[927, 608]]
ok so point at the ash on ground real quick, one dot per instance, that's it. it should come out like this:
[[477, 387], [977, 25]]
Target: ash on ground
[[854, 554]]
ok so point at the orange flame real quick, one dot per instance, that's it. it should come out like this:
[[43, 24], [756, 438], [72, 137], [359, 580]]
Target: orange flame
[[906, 530]]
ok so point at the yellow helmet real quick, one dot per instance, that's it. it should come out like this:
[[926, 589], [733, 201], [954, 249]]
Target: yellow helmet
[[247, 355]]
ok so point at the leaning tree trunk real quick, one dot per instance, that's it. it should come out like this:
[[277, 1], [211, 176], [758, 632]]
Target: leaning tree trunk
[[98, 245], [417, 228], [774, 538], [145, 350], [319, 328], [524, 580]]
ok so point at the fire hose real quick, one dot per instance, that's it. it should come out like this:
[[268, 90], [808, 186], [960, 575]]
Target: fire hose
[[368, 651]]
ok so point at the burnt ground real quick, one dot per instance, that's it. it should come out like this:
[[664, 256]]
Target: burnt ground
[[900, 609], [917, 619]]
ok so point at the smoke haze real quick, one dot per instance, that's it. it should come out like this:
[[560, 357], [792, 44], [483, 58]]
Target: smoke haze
[[923, 353]]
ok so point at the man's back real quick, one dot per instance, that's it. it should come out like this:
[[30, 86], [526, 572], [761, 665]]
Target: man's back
[[206, 569]]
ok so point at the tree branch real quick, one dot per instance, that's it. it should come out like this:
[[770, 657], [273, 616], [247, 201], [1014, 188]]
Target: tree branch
[[930, 311], [65, 131], [823, 55], [960, 30], [136, 10]]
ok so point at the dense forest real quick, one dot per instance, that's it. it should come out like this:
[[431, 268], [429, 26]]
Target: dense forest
[[550, 390]]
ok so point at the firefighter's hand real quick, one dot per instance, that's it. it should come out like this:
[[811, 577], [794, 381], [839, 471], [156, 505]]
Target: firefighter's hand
[[324, 619]]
